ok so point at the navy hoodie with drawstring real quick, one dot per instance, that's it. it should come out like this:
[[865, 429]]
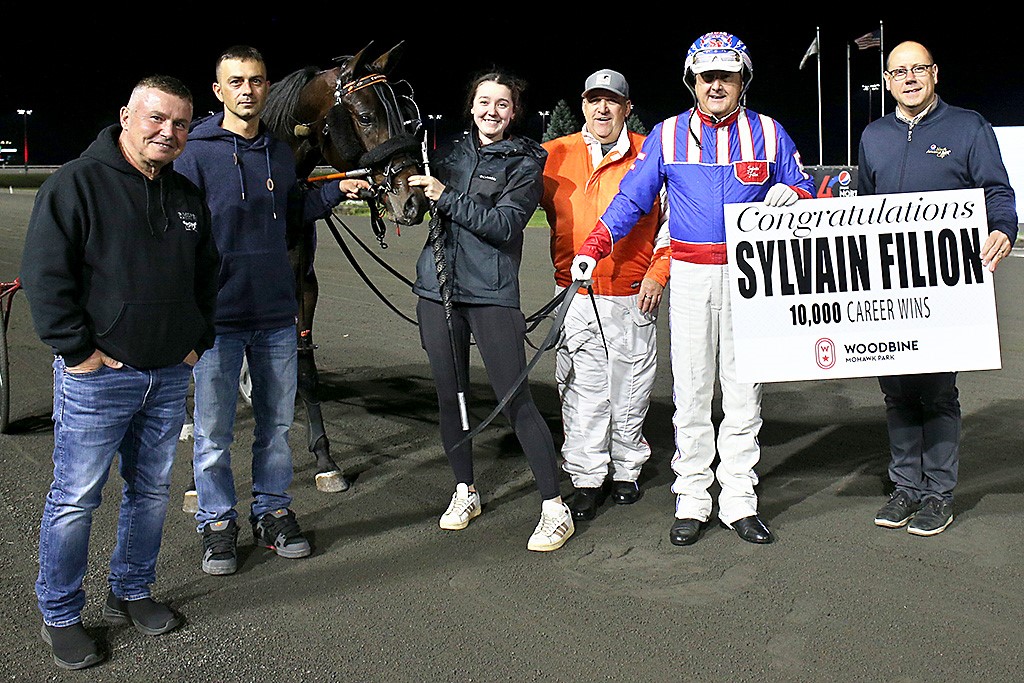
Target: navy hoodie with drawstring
[[118, 262], [250, 186]]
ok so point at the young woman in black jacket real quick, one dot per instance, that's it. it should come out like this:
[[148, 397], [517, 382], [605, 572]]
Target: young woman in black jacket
[[484, 192]]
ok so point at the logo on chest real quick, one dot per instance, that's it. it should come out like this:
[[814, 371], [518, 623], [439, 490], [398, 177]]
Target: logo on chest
[[188, 221], [939, 152], [751, 172]]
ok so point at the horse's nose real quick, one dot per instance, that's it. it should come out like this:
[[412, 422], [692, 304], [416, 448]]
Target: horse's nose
[[415, 208]]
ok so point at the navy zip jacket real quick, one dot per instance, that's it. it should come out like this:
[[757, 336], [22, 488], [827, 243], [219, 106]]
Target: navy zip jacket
[[491, 191], [117, 262], [949, 149], [250, 187]]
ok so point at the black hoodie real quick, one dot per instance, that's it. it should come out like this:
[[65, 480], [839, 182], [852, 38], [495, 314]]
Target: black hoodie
[[121, 263]]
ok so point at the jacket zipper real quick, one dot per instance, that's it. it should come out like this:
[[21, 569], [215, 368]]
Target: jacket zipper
[[906, 154]]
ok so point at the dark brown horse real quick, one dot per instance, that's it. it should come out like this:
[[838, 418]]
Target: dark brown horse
[[351, 118]]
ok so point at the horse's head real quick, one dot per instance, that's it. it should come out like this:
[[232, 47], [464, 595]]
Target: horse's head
[[367, 124]]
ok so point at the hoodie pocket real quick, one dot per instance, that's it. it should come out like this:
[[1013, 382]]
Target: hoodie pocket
[[152, 334], [255, 288]]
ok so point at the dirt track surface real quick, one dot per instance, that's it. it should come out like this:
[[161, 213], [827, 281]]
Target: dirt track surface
[[388, 596]]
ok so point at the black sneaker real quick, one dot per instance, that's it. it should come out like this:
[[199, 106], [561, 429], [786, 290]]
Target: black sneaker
[[278, 531], [933, 517], [898, 511], [148, 616], [73, 648], [220, 554]]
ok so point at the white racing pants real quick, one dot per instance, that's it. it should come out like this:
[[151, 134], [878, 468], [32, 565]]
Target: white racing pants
[[701, 339], [605, 399]]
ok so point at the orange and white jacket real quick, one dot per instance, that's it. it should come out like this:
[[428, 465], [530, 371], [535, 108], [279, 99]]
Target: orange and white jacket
[[578, 186]]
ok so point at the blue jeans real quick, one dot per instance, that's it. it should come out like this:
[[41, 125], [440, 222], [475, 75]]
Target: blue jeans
[[273, 366], [138, 414]]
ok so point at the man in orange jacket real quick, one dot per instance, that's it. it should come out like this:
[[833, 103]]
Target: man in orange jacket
[[604, 397]]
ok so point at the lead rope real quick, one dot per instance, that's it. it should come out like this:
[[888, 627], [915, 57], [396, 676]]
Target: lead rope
[[549, 342], [436, 236]]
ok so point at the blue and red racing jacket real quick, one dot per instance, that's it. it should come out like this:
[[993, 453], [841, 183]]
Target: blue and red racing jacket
[[734, 161]]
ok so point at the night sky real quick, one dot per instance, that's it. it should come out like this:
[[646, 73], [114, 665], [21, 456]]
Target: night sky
[[75, 76]]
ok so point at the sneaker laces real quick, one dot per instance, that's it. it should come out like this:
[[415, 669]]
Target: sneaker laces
[[549, 523], [900, 498], [218, 542], [273, 527], [461, 506]]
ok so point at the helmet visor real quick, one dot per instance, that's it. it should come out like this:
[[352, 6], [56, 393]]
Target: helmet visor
[[716, 59]]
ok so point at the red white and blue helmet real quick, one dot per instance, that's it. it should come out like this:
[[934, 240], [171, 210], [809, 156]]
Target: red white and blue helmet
[[718, 51]]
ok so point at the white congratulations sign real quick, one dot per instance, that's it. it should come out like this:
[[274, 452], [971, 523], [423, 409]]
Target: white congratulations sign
[[861, 286]]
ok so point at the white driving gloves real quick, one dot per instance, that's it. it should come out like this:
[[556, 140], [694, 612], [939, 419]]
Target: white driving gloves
[[582, 268], [780, 194]]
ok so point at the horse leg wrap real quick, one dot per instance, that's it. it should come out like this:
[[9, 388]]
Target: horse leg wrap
[[329, 477], [309, 380]]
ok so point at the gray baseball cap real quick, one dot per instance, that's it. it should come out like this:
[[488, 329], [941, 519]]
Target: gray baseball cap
[[609, 80]]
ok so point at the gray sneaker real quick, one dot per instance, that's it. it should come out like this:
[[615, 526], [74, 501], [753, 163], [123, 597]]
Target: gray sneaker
[[220, 553], [933, 517], [278, 531], [898, 511]]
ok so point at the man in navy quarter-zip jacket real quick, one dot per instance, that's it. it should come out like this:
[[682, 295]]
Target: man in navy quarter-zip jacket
[[927, 145]]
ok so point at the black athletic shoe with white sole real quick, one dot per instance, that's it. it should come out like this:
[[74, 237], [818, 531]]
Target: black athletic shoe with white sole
[[278, 531], [220, 547]]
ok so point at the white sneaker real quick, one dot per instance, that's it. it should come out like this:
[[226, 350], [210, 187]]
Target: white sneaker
[[465, 506], [554, 529]]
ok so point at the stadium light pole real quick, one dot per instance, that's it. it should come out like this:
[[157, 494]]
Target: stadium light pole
[[434, 118], [25, 113], [870, 89], [543, 123]]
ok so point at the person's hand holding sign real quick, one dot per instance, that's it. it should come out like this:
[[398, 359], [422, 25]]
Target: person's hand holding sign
[[995, 249]]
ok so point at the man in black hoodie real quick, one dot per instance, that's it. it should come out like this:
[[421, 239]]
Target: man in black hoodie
[[120, 271]]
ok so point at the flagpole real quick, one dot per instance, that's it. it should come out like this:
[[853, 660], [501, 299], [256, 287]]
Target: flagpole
[[821, 154], [849, 111], [881, 63]]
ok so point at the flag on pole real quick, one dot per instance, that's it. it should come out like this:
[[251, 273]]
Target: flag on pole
[[811, 51], [869, 40]]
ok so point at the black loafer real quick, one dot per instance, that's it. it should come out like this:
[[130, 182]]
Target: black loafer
[[625, 492], [752, 530], [685, 531], [146, 615], [73, 648], [585, 502]]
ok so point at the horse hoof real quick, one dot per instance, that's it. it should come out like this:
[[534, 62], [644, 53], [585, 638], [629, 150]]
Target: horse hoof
[[191, 502], [332, 482]]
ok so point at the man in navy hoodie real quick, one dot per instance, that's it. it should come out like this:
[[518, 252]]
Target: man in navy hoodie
[[926, 145], [250, 182], [120, 272]]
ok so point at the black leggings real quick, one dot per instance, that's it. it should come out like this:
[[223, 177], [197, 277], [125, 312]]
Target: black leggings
[[499, 332]]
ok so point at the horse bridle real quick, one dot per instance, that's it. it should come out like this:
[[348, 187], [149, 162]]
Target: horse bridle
[[402, 131]]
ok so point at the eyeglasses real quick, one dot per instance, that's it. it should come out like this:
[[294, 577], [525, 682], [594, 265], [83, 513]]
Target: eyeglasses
[[900, 73]]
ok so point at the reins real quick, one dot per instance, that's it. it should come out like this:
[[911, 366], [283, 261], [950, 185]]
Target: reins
[[564, 302]]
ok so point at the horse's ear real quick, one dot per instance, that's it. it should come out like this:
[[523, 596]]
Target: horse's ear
[[388, 60], [352, 65]]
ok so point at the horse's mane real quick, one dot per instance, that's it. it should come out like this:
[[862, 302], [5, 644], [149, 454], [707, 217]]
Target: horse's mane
[[283, 97]]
